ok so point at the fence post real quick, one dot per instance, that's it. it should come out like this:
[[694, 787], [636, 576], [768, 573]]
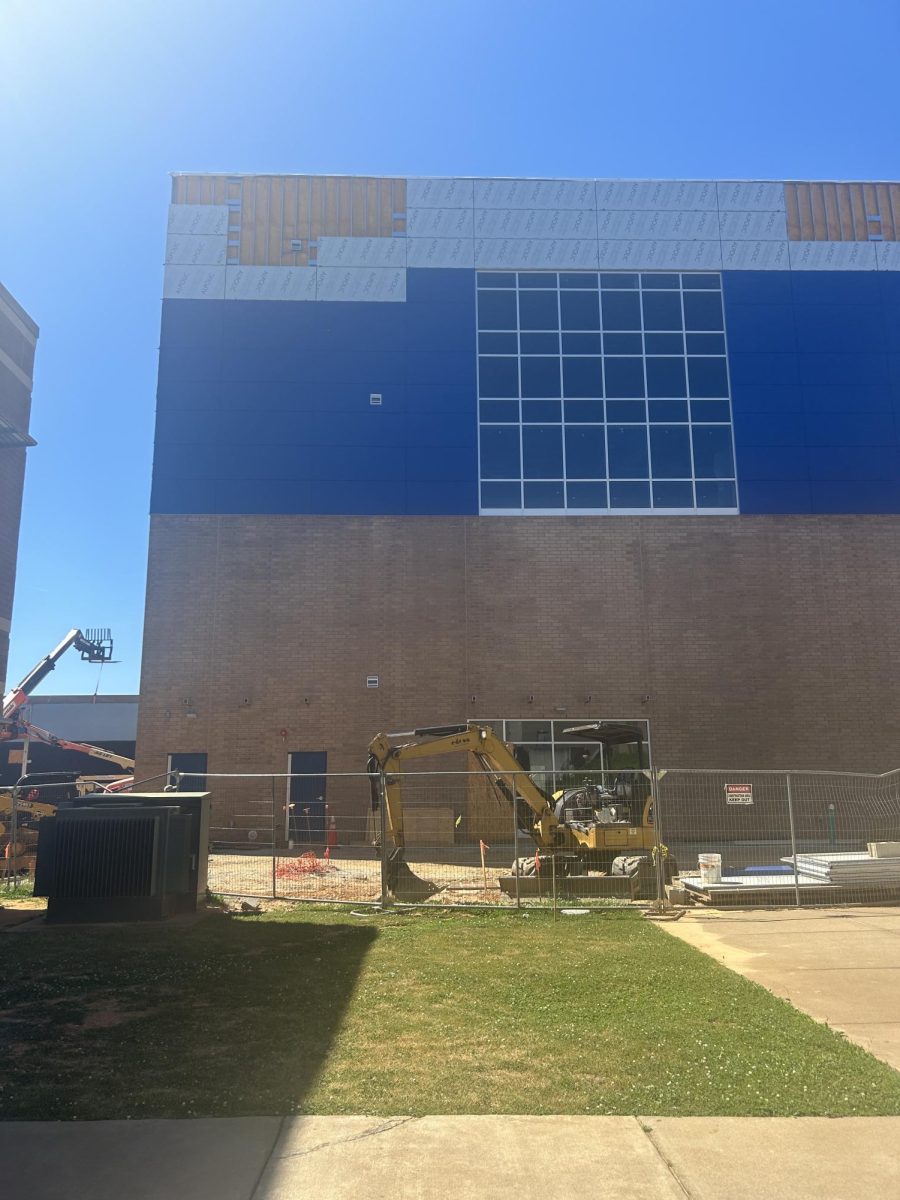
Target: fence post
[[515, 842], [553, 877], [14, 825], [274, 887], [655, 777], [790, 804], [386, 901]]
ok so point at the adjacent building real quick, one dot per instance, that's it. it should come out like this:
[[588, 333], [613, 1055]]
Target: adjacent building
[[18, 338], [532, 451]]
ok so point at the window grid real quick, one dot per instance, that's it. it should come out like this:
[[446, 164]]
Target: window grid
[[704, 283]]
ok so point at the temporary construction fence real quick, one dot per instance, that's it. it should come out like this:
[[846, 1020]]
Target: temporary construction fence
[[764, 838]]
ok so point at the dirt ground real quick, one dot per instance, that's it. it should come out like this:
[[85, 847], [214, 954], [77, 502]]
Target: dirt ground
[[308, 878]]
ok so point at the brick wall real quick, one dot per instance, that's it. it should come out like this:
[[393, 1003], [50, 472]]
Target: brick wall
[[18, 335], [762, 642]]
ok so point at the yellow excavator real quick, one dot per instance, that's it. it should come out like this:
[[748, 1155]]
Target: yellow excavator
[[585, 827]]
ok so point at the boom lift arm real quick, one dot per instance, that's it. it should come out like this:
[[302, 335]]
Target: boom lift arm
[[95, 646], [44, 735]]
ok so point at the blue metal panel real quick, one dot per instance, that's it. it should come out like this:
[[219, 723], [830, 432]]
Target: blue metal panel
[[786, 463], [852, 464], [843, 370], [865, 496], [835, 287], [456, 463], [891, 316], [835, 328], [442, 498], [264, 406], [847, 427], [770, 427], [765, 497], [756, 287], [767, 328], [762, 369], [182, 493]]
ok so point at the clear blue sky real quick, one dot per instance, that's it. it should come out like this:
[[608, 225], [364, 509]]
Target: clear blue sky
[[100, 99]]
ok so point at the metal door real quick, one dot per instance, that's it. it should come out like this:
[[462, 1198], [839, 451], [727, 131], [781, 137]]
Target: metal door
[[306, 797]]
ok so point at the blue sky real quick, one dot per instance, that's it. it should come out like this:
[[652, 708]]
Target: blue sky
[[100, 99]]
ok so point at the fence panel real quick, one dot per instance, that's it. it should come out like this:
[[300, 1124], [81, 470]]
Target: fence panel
[[764, 838], [757, 821]]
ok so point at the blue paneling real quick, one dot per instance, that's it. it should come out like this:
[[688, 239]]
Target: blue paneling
[[264, 406], [855, 397], [849, 464], [191, 323], [770, 427], [843, 370], [835, 328], [781, 496], [891, 317], [441, 286], [862, 496], [756, 287], [763, 369], [867, 427], [758, 462], [181, 493], [271, 400], [816, 430], [442, 498], [835, 287], [761, 327]]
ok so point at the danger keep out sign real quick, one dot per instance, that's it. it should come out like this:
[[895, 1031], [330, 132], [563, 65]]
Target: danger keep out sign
[[738, 793]]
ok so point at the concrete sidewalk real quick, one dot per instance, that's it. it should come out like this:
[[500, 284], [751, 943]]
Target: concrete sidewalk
[[841, 966], [466, 1158]]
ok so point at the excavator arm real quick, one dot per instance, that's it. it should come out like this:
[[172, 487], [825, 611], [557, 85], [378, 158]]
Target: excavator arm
[[493, 755]]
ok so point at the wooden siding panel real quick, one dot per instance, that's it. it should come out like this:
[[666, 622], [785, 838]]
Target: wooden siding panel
[[316, 209], [858, 206], [832, 215], [330, 216], [373, 223], [883, 197], [817, 208], [792, 211], [838, 212], [358, 208], [385, 204], [345, 207]]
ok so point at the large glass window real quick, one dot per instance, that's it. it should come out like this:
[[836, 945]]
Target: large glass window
[[603, 392], [556, 758]]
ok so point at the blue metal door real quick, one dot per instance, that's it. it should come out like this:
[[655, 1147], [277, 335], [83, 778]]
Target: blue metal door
[[306, 797]]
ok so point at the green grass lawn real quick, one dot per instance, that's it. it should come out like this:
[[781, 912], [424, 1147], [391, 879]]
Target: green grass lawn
[[321, 1012]]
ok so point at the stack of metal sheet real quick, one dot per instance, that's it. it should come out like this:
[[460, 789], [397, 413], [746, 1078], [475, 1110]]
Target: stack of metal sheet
[[851, 868]]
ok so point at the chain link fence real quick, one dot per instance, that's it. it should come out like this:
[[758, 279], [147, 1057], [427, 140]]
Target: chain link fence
[[469, 838]]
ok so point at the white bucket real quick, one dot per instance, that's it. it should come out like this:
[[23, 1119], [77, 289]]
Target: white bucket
[[710, 868]]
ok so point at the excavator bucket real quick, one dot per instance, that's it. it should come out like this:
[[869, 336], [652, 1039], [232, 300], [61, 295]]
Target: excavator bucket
[[403, 883]]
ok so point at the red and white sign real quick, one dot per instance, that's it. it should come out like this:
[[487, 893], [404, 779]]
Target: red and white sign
[[738, 793]]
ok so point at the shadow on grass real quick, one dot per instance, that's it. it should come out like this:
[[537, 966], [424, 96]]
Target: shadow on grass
[[230, 1017]]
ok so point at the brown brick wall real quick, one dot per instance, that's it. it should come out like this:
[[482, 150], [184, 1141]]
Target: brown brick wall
[[18, 335], [760, 641]]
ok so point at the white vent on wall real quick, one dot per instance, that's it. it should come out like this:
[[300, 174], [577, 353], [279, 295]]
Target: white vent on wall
[[375, 398], [371, 681]]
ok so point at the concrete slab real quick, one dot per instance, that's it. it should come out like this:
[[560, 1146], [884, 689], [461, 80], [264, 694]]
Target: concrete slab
[[468, 1158], [799, 1158], [431, 1158], [141, 1160], [839, 966]]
